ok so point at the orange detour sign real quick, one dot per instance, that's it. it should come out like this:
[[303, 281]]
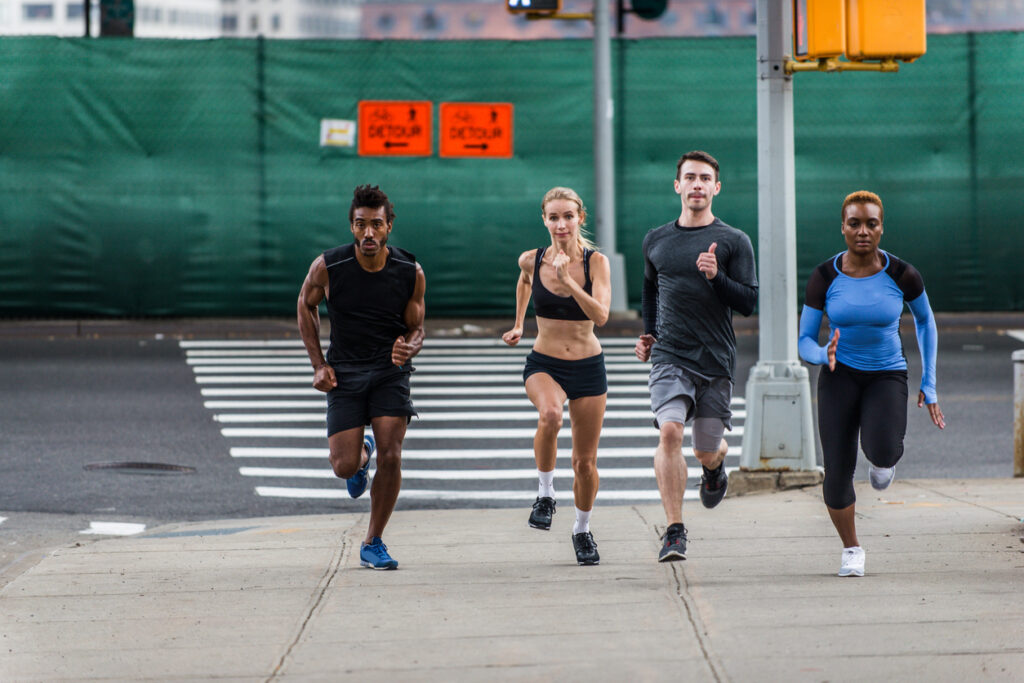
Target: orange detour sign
[[476, 129], [395, 128]]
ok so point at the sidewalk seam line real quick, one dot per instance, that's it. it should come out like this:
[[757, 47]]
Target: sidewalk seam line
[[333, 567], [692, 614]]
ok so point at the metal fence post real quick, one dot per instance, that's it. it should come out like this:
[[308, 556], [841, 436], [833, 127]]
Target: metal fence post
[[1018, 413]]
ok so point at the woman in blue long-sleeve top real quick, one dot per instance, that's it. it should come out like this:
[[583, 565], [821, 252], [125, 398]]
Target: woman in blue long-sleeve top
[[864, 388]]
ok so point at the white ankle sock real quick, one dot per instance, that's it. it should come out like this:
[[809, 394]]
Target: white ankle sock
[[582, 524], [546, 486]]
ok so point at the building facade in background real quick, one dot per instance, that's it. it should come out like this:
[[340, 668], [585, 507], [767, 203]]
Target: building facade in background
[[439, 19]]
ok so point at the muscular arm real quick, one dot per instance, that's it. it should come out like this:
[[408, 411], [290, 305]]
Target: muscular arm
[[595, 305], [313, 291], [406, 348], [523, 290]]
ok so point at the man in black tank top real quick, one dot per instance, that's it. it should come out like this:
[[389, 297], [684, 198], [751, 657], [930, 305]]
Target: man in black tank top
[[375, 301]]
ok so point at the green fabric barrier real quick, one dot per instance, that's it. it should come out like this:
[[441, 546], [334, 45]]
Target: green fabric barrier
[[157, 177]]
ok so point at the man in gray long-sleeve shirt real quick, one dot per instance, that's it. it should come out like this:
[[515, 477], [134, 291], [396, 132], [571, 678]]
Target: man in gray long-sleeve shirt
[[697, 270]]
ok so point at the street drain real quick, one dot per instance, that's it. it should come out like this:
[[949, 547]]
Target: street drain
[[157, 468]]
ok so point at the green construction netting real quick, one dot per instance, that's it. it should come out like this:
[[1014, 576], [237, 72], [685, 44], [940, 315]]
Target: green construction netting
[[157, 177]]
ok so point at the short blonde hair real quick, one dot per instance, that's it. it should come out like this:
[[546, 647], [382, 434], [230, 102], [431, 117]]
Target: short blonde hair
[[862, 197], [570, 194]]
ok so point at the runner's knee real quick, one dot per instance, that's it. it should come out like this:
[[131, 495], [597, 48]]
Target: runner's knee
[[837, 490], [670, 435], [549, 418]]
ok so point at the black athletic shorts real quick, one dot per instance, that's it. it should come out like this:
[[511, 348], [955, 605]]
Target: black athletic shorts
[[578, 378], [362, 395]]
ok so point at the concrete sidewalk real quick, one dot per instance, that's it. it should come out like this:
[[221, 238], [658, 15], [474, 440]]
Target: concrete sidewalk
[[480, 596]]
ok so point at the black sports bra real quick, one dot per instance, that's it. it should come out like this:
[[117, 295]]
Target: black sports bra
[[548, 305]]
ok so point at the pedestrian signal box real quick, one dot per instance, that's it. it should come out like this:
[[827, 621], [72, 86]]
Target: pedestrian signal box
[[819, 29], [885, 29], [516, 6], [859, 29]]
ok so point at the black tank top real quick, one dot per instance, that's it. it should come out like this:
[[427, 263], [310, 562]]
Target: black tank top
[[548, 305], [367, 309]]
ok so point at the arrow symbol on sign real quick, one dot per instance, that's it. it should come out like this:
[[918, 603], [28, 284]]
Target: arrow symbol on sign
[[480, 146], [388, 143]]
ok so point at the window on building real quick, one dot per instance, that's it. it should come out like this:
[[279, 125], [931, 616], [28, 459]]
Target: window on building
[[229, 23], [37, 11], [254, 22], [76, 10], [275, 22]]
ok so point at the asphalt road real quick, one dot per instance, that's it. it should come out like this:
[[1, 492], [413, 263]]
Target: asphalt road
[[72, 403]]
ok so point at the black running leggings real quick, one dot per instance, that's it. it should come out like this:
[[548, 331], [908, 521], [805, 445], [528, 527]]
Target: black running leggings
[[851, 401]]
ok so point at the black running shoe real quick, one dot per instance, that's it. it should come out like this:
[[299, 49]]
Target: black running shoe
[[586, 548], [713, 484], [543, 509], [674, 547]]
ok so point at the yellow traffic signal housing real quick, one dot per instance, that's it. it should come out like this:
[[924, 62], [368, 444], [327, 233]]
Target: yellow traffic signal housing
[[819, 29], [885, 29]]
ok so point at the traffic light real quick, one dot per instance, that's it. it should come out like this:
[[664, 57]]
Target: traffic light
[[860, 29], [517, 6], [885, 29], [819, 29], [649, 9]]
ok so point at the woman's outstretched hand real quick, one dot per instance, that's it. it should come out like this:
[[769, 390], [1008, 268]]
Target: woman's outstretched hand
[[832, 344], [934, 411]]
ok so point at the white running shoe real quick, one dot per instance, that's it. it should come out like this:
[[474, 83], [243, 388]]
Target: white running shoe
[[881, 477], [852, 563]]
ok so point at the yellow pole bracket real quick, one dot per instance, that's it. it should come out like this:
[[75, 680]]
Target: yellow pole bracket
[[832, 64], [533, 16]]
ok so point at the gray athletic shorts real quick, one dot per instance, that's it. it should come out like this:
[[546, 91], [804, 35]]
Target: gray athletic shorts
[[681, 395]]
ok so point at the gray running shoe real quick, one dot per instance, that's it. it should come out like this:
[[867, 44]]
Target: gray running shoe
[[713, 485], [586, 549], [881, 477], [543, 510], [674, 547]]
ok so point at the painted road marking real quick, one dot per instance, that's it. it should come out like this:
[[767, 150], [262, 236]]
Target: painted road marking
[[114, 529], [260, 392], [442, 494], [442, 453]]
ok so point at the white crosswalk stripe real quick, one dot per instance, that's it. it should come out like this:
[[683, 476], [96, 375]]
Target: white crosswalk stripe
[[462, 448]]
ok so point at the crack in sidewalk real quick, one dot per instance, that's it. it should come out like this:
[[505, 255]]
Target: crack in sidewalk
[[682, 590], [315, 602]]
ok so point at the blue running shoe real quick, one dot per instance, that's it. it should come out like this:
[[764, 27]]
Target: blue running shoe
[[375, 555], [358, 481]]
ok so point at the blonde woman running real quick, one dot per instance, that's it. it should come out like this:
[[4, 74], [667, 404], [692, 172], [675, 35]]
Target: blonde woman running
[[570, 285]]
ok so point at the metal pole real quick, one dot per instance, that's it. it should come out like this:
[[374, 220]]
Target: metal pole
[[1018, 413], [88, 20], [604, 154], [779, 431]]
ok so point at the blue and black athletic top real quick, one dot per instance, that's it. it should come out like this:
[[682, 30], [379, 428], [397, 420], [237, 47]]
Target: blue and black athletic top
[[547, 304], [867, 311]]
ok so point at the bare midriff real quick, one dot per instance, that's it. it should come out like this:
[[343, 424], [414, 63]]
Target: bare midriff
[[566, 339]]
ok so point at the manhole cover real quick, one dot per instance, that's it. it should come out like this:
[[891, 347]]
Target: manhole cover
[[141, 467]]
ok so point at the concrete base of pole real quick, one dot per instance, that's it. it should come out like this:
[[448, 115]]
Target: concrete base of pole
[[779, 429], [620, 302], [742, 482]]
